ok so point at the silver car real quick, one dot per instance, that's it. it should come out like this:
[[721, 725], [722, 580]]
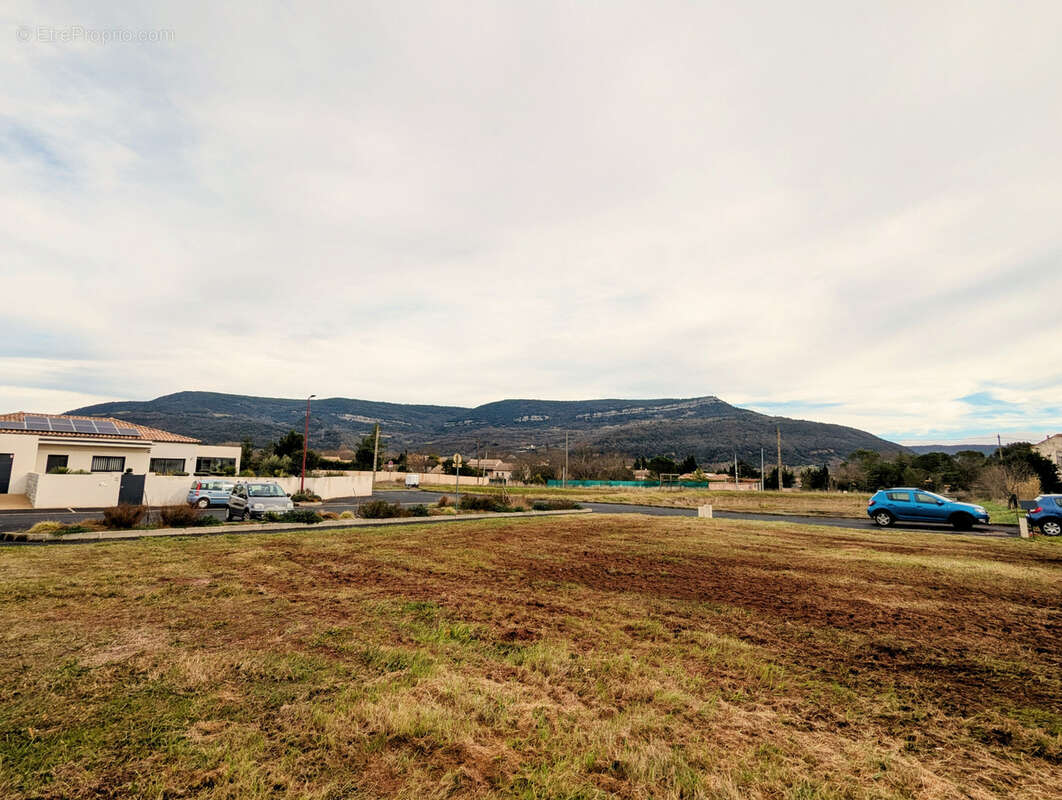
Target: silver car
[[255, 499]]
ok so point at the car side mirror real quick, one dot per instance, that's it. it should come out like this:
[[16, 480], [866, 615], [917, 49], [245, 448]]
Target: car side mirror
[[940, 502]]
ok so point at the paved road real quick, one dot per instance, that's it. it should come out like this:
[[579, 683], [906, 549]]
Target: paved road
[[22, 520]]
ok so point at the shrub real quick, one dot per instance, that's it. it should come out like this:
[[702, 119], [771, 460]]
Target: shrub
[[305, 515], [329, 515], [179, 516], [379, 509], [206, 521], [347, 515], [480, 502], [444, 501], [305, 496], [47, 526], [56, 528], [71, 529], [420, 510], [554, 504], [123, 517]]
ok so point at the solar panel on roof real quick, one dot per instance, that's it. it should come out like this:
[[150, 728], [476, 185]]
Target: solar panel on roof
[[37, 424], [103, 426], [59, 424], [128, 431], [13, 425], [84, 426]]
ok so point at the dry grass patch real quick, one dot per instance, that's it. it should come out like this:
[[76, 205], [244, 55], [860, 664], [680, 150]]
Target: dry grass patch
[[564, 657], [833, 504]]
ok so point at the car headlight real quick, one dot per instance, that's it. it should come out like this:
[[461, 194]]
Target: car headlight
[[290, 505], [258, 506]]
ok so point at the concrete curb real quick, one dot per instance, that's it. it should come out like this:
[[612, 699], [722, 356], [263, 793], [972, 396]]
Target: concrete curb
[[224, 530]]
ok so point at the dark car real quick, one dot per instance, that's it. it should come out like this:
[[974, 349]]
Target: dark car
[[1047, 514], [917, 505]]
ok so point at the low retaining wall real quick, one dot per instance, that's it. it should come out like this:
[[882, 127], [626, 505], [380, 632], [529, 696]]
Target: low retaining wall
[[167, 490], [431, 479], [73, 491]]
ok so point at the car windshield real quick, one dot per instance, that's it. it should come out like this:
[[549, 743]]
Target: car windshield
[[264, 490]]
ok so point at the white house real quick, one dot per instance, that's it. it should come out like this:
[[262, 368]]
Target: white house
[[493, 468], [59, 460], [1051, 448]]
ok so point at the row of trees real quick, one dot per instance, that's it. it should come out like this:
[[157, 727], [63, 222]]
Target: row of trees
[[1013, 469]]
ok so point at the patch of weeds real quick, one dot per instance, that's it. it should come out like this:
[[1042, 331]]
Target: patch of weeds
[[305, 516], [554, 504]]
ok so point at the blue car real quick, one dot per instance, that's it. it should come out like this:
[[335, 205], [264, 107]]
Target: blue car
[[210, 492], [917, 505], [1047, 514]]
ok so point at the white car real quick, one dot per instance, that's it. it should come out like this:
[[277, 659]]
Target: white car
[[412, 480], [256, 499]]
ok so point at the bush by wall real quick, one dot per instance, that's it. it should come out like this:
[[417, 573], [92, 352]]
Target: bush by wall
[[178, 516], [123, 517]]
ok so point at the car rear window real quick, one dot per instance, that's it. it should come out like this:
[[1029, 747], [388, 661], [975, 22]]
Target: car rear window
[[899, 497]]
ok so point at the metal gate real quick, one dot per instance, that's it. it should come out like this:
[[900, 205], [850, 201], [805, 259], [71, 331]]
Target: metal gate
[[131, 489], [6, 460]]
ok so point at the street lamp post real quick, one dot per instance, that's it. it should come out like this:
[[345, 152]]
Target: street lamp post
[[305, 443]]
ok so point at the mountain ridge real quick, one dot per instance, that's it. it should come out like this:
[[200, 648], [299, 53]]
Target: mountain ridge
[[706, 426]]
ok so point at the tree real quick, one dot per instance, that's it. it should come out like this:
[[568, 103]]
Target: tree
[[1020, 461], [289, 445], [788, 479], [363, 455], [745, 470], [815, 478], [246, 452], [662, 465], [689, 464]]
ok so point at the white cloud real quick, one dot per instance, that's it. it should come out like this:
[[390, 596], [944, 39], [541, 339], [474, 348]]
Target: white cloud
[[455, 204]]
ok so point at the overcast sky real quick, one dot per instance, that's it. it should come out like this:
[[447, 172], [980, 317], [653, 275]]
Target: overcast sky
[[822, 209]]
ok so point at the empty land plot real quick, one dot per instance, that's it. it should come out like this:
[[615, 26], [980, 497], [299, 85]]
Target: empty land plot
[[833, 504], [564, 657]]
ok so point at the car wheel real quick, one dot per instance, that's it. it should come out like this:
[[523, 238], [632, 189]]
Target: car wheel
[[883, 519], [203, 502], [229, 516], [1051, 527], [962, 522]]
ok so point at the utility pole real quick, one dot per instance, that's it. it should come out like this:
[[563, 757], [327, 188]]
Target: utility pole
[[736, 484], [779, 431], [305, 443], [564, 483], [761, 469], [375, 453]]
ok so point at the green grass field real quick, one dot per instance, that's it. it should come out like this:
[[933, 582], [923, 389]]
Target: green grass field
[[576, 657]]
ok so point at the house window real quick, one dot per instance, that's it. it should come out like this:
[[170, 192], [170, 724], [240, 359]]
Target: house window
[[204, 465], [167, 466], [55, 462], [108, 463]]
